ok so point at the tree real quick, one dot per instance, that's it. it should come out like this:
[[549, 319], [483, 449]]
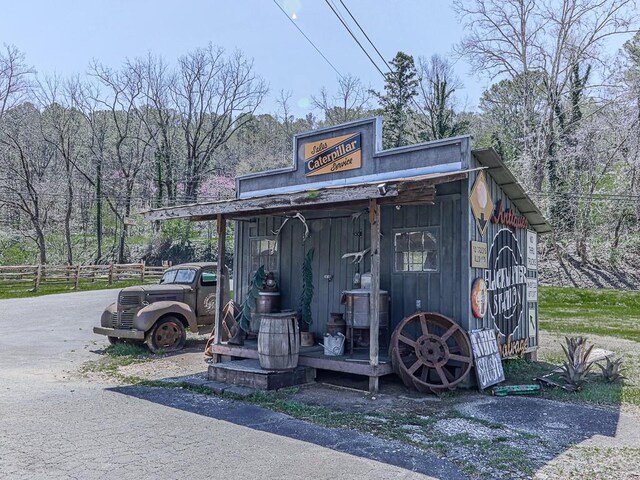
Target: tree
[[215, 96], [515, 38], [15, 78], [395, 104], [351, 102], [436, 88]]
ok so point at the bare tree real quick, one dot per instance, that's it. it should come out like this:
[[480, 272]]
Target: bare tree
[[517, 37], [26, 163], [351, 101], [436, 88], [215, 96], [15, 78]]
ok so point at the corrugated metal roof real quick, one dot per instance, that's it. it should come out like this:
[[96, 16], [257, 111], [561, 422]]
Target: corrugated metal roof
[[504, 178]]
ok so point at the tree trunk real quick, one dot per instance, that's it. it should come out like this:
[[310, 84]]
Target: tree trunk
[[99, 211]]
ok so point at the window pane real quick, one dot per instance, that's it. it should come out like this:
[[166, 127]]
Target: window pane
[[416, 251]]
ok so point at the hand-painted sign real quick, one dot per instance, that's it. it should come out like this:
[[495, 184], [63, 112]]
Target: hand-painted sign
[[532, 290], [506, 279], [486, 357], [533, 323], [481, 203], [507, 217], [333, 155], [532, 250], [479, 298], [479, 252]]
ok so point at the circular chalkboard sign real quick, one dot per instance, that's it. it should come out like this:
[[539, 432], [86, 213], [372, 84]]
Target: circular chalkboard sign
[[506, 280]]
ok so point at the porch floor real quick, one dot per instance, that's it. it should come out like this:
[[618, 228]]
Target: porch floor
[[314, 356]]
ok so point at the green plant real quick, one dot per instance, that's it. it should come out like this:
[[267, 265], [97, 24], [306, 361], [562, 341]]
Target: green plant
[[307, 288], [577, 364], [612, 371], [256, 283]]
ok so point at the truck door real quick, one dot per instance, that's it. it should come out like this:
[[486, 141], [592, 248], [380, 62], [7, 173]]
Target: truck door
[[206, 297]]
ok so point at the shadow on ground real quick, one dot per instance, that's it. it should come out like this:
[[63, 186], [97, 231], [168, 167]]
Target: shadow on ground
[[494, 435]]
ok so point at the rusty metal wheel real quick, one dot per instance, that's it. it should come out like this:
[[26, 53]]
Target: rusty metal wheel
[[167, 335], [430, 352]]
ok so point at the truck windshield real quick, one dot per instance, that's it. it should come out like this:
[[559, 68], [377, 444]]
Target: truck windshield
[[178, 276]]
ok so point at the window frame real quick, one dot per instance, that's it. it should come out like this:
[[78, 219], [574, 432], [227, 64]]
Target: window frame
[[432, 230], [275, 238]]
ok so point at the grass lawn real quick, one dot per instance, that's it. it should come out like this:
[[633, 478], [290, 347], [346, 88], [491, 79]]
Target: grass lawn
[[24, 291], [610, 319], [574, 311]]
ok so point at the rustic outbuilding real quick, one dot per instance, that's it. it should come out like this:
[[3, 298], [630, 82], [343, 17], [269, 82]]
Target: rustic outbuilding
[[433, 227]]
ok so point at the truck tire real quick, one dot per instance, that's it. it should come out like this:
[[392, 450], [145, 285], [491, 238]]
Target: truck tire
[[167, 335]]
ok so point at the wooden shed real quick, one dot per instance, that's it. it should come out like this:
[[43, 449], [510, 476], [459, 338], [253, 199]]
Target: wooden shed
[[439, 227]]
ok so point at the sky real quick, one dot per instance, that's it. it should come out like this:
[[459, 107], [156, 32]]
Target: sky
[[63, 36]]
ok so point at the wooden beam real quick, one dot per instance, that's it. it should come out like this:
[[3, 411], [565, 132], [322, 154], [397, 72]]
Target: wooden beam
[[270, 204], [374, 297], [221, 278]]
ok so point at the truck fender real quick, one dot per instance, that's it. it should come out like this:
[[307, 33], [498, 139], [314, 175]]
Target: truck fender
[[147, 316], [107, 315]]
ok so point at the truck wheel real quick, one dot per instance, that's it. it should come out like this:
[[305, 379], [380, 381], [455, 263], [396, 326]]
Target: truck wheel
[[168, 335]]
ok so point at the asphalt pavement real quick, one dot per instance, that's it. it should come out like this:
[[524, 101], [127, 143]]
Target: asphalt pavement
[[56, 425]]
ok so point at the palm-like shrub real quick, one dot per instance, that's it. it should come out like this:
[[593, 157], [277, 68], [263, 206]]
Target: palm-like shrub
[[577, 365], [612, 371]]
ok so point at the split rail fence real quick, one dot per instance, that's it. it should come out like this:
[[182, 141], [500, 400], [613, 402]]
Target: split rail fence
[[37, 276]]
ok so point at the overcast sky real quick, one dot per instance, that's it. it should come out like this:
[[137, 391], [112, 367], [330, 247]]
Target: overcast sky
[[64, 35]]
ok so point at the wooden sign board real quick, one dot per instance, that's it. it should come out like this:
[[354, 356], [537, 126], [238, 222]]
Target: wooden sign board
[[532, 290], [481, 203], [486, 357], [532, 250], [333, 155], [479, 254]]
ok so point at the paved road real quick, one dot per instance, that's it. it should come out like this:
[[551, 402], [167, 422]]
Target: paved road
[[54, 425]]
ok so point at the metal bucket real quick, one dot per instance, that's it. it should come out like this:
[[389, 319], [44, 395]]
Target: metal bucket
[[358, 308]]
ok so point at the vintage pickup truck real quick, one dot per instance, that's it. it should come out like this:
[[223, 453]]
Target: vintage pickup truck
[[159, 315]]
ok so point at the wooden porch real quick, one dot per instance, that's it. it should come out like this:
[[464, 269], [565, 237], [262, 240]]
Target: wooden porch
[[357, 364]]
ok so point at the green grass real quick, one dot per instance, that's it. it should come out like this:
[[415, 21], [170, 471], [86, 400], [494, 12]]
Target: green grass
[[24, 290], [574, 311]]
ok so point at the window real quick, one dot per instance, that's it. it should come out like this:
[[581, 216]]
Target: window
[[208, 279], [416, 251], [185, 276], [264, 251]]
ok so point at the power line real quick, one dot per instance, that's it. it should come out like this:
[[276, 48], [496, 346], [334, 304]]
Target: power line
[[354, 37], [308, 39], [413, 100], [365, 34]]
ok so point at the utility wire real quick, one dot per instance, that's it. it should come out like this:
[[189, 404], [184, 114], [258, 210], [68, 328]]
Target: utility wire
[[308, 39], [354, 37], [413, 100], [366, 36]]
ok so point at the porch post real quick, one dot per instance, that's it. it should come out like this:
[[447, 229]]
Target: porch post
[[374, 297], [221, 224]]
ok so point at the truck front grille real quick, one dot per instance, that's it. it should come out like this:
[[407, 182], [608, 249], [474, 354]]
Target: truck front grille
[[129, 300], [124, 321]]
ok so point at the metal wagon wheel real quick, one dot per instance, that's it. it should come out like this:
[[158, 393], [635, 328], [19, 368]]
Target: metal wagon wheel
[[430, 352]]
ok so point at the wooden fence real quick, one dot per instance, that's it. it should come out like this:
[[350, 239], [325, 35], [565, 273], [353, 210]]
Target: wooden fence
[[41, 275]]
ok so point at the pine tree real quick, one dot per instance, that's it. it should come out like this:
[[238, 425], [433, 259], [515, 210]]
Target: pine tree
[[395, 103]]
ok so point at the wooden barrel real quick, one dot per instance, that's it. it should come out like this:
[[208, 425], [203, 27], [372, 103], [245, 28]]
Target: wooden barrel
[[278, 341]]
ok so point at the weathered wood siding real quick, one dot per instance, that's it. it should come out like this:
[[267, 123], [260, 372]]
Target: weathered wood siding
[[335, 233]]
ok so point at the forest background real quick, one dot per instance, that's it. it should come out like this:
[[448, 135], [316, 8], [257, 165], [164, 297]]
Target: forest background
[[80, 156]]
